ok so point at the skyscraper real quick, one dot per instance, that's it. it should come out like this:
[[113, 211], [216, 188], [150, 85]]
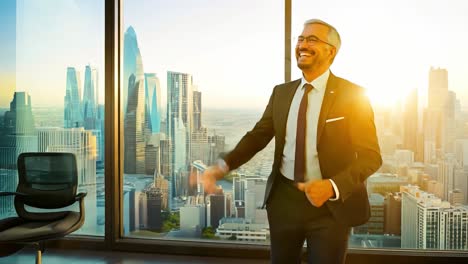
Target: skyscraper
[[254, 194], [446, 174], [134, 130], [101, 139], [197, 110], [449, 132], [165, 146], [138, 210], [461, 152], [438, 88], [238, 189], [180, 98], [17, 135], [153, 101], [196, 171], [180, 148], [161, 184], [216, 209], [90, 98], [427, 222], [461, 184], [154, 204], [409, 216], [217, 145], [152, 159], [19, 132], [131, 53], [410, 122], [392, 214], [200, 146], [454, 228], [73, 116], [179, 126], [134, 106], [434, 123]]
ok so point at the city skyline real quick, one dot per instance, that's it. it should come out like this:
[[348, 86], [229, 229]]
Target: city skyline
[[435, 178]]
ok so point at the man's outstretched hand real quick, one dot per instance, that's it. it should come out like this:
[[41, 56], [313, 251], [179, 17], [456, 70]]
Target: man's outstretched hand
[[209, 178], [318, 192]]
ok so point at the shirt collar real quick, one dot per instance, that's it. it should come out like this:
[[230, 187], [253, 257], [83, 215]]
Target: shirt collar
[[320, 83]]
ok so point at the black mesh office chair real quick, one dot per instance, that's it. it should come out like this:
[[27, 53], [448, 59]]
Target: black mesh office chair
[[46, 181]]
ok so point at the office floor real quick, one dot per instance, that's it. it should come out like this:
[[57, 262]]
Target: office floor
[[60, 256], [56, 256]]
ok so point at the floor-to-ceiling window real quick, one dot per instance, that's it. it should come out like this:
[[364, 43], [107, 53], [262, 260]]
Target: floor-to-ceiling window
[[411, 57], [196, 76], [52, 93]]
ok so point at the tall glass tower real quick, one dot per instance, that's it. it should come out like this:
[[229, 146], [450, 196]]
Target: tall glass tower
[[197, 110], [90, 98], [134, 106], [180, 118], [72, 113], [17, 135], [130, 54], [434, 123], [153, 101]]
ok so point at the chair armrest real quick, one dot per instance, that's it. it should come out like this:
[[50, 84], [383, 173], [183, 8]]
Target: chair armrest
[[12, 193], [80, 196]]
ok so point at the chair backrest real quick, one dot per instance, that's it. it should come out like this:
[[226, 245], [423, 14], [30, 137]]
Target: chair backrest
[[49, 180]]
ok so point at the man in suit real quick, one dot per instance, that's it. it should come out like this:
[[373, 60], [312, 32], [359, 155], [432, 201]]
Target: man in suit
[[325, 148]]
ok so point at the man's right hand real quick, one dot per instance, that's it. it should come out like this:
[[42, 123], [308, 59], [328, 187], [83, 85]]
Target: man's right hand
[[210, 176]]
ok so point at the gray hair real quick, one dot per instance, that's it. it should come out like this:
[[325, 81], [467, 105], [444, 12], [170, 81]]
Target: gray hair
[[333, 35]]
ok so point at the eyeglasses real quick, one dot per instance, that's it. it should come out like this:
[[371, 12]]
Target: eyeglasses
[[310, 40]]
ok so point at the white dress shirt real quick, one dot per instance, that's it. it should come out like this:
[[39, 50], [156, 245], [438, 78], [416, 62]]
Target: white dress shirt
[[315, 99]]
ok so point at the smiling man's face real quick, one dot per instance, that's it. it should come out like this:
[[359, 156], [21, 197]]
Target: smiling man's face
[[313, 53]]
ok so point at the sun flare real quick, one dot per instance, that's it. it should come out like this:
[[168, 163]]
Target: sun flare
[[386, 97]]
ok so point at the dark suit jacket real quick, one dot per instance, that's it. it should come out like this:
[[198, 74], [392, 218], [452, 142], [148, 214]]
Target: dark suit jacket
[[348, 150]]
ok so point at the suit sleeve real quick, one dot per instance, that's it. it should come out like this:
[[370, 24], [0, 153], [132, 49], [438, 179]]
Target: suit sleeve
[[364, 143], [254, 140]]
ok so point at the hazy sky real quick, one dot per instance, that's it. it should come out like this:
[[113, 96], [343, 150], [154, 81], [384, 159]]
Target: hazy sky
[[52, 35], [389, 46], [234, 49]]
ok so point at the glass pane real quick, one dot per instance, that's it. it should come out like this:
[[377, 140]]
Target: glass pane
[[410, 56], [52, 93], [196, 77]]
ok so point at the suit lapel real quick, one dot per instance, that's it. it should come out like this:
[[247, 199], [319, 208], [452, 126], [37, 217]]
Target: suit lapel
[[328, 100], [285, 104]]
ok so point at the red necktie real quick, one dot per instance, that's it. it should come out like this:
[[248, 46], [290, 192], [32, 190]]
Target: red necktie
[[299, 161]]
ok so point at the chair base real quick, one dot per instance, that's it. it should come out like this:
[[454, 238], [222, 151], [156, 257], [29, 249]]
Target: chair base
[[7, 249], [39, 247], [38, 256]]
